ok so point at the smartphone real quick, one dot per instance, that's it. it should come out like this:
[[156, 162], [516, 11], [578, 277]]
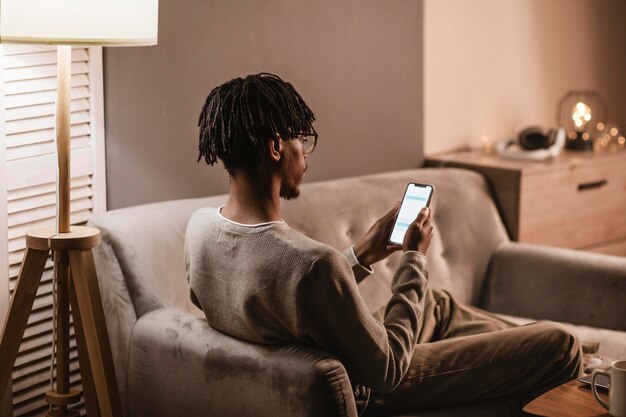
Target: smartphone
[[416, 197], [602, 382]]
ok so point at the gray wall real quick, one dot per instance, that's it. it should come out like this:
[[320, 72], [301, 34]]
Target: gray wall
[[357, 63]]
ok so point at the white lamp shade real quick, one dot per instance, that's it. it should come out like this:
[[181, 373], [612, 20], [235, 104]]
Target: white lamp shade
[[79, 22]]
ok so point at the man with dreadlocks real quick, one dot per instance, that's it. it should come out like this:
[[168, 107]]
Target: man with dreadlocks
[[258, 280]]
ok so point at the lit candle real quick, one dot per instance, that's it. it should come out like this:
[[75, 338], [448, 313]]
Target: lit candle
[[581, 114]]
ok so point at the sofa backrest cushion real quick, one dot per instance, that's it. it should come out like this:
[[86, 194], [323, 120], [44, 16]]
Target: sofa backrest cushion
[[148, 240], [148, 243]]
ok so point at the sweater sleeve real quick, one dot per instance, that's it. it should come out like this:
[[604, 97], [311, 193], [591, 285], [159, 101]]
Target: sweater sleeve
[[333, 316]]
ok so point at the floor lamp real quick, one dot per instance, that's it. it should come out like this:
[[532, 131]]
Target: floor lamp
[[65, 23]]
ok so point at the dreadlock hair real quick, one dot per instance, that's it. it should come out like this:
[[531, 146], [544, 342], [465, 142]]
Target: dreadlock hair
[[239, 116]]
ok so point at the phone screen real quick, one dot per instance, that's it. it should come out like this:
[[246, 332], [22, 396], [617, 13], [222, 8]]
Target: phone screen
[[416, 197]]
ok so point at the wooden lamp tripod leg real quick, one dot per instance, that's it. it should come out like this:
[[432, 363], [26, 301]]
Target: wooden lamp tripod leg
[[93, 326], [62, 396], [89, 390], [19, 310]]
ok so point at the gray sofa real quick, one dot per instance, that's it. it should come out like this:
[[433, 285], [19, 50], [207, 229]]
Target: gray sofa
[[169, 362]]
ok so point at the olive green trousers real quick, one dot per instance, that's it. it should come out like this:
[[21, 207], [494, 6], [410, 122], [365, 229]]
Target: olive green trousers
[[467, 355]]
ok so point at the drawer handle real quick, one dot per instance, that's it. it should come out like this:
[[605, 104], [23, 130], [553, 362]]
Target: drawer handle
[[590, 185]]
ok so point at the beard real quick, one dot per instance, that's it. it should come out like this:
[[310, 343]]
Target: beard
[[289, 193], [290, 186]]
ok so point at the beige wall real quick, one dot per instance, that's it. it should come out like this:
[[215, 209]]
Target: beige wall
[[357, 63], [494, 66]]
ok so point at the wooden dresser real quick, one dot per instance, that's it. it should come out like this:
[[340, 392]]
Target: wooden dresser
[[577, 200]]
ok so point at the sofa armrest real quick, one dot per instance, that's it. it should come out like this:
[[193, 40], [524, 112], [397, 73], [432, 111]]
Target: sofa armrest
[[557, 284], [179, 366]]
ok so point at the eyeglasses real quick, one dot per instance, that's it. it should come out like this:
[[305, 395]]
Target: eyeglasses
[[309, 140]]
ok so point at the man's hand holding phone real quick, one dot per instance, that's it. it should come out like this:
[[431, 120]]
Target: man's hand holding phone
[[375, 245], [420, 232]]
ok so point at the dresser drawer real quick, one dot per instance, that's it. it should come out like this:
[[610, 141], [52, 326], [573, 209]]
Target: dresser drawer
[[574, 207]]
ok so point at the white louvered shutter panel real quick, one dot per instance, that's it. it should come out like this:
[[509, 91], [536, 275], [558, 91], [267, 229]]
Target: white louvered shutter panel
[[29, 93]]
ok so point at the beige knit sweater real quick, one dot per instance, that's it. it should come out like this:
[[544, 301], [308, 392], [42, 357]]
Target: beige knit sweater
[[272, 285]]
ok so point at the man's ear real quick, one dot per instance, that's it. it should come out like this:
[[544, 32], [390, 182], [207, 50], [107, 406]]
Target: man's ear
[[274, 148]]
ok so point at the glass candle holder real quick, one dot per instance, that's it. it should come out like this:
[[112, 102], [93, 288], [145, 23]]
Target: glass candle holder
[[579, 113]]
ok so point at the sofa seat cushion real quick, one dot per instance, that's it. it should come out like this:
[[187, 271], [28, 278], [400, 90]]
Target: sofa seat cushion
[[612, 342]]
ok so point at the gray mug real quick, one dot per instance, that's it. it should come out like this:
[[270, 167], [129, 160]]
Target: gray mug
[[617, 388]]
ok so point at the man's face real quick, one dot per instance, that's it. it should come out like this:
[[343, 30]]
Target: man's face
[[292, 168]]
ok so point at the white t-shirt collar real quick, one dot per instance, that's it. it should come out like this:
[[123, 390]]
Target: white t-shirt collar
[[219, 213]]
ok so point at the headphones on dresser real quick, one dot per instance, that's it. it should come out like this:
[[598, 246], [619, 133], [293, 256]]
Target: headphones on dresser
[[533, 143]]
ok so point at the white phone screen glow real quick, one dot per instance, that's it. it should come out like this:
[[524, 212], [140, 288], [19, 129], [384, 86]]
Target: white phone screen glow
[[414, 200]]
